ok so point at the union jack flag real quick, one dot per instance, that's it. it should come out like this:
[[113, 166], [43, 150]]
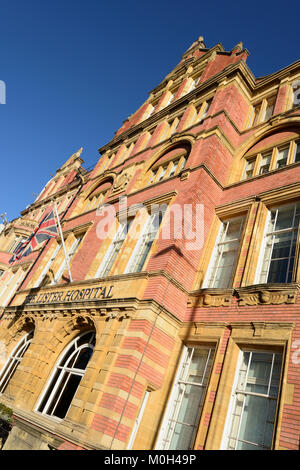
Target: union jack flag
[[46, 229]]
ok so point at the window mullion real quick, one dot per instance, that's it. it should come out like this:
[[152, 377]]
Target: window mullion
[[244, 399], [61, 392], [180, 393]]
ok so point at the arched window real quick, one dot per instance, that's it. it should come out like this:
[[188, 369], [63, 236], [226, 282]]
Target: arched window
[[95, 199], [67, 375], [169, 164], [272, 153], [14, 360]]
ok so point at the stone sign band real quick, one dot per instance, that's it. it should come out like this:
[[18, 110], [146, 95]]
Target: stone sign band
[[70, 295]]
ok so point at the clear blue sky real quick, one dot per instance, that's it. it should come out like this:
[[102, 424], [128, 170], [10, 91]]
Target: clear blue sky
[[75, 69]]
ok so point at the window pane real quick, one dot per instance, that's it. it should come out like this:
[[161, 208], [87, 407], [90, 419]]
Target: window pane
[[50, 389], [225, 253], [248, 173], [188, 399], [259, 373], [269, 110], [285, 217], [173, 168], [162, 173], [182, 437], [282, 157], [297, 153], [59, 393], [280, 246], [202, 358], [145, 242], [71, 383], [256, 114], [252, 420], [14, 360], [264, 164], [83, 358]]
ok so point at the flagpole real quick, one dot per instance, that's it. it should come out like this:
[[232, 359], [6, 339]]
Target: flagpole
[[62, 241]]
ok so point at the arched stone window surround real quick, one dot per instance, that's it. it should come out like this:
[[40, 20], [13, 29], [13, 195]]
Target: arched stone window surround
[[158, 157], [278, 125], [65, 378], [102, 186], [10, 366]]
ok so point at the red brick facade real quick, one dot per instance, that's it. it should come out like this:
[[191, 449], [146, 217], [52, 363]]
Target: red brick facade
[[156, 310]]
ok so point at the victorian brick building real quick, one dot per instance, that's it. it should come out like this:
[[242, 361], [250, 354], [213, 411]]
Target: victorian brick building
[[166, 337]]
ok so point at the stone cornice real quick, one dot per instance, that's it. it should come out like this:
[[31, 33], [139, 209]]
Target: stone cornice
[[211, 298], [259, 294], [268, 294]]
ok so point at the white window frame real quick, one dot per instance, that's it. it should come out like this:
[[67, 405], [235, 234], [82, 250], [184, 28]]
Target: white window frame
[[133, 263], [173, 406], [111, 249], [48, 266], [64, 369], [138, 421], [226, 433], [218, 242], [10, 292], [63, 265], [264, 243], [14, 359]]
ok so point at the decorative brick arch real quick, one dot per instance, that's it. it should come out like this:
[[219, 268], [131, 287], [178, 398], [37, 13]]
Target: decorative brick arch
[[293, 122], [182, 141], [102, 180]]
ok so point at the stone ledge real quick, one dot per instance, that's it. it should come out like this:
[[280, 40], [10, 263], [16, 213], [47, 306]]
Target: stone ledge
[[211, 298], [268, 294], [258, 294]]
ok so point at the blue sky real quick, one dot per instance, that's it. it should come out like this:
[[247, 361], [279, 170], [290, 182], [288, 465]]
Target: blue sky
[[75, 69]]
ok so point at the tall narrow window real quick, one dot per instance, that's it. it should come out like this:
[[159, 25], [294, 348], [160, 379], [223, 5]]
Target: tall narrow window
[[282, 157], [63, 266], [48, 266], [14, 360], [138, 421], [296, 156], [186, 401], [144, 243], [67, 375], [152, 176], [224, 257], [254, 401], [11, 287], [162, 173], [265, 164], [20, 242], [269, 109], [205, 109], [255, 116], [279, 247], [113, 249], [173, 168], [249, 169], [296, 94]]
